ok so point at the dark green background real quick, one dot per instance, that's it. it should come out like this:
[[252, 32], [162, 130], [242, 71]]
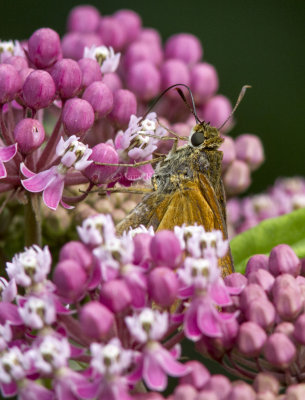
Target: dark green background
[[250, 42]]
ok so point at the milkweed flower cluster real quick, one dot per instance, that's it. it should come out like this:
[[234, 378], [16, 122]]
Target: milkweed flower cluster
[[285, 196], [95, 84], [117, 308]]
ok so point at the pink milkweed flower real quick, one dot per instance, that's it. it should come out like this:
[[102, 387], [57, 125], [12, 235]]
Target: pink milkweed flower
[[30, 267], [12, 365], [105, 56], [96, 230], [155, 362], [37, 312], [138, 143], [9, 48], [51, 181], [6, 154]]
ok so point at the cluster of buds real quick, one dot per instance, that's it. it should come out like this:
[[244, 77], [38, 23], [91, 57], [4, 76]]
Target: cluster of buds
[[116, 309], [90, 86], [284, 197]]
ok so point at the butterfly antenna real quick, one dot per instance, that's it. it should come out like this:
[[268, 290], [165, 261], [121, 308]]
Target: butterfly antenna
[[182, 96], [240, 97], [192, 110]]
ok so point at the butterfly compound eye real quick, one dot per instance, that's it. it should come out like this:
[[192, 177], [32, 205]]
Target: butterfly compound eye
[[197, 138]]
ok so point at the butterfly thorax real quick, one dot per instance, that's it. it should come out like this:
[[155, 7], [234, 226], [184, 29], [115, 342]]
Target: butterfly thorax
[[184, 165]]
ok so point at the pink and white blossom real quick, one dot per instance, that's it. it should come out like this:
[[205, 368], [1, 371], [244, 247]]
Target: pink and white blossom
[[148, 325], [5, 335], [30, 267], [8, 290], [96, 230], [12, 365], [51, 181], [105, 56], [37, 312]]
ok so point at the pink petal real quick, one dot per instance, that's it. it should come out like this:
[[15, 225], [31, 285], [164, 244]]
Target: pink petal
[[153, 374], [169, 364], [219, 294], [9, 312], [147, 171], [7, 153], [88, 391], [66, 206], [191, 328], [25, 171], [33, 391], [3, 173], [207, 322], [95, 278], [136, 374], [53, 192], [8, 389], [40, 181], [133, 174]]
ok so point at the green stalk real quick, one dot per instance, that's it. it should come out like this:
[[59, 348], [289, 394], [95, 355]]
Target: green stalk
[[32, 221]]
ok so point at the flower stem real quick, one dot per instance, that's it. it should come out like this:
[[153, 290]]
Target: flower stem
[[32, 221], [49, 150]]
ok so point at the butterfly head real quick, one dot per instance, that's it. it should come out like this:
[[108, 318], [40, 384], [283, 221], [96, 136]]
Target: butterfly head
[[205, 136]]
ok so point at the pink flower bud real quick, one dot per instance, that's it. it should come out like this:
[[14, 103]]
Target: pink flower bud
[[236, 280], [266, 382], [165, 249], [283, 259], [113, 81], [216, 111], [287, 328], [237, 177], [100, 97], [104, 153], [241, 390], [204, 82], [185, 392], [163, 286], [24, 73], [251, 339], [172, 72], [10, 83], [67, 76], [261, 312], [198, 376], [78, 116], [74, 43], [288, 300], [70, 278], [141, 253], [256, 262], [143, 78], [142, 51], [185, 47], [249, 148], [84, 19], [130, 22], [115, 295], [279, 350], [96, 320], [228, 150], [207, 395], [38, 90], [18, 62], [251, 293], [112, 33], [220, 384], [78, 252], [295, 392], [91, 71], [29, 134], [44, 48], [124, 105], [299, 329], [262, 278], [151, 36]]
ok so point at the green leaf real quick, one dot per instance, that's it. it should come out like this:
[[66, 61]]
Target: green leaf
[[289, 229]]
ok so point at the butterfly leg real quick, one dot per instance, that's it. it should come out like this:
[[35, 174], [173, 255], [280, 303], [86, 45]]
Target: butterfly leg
[[131, 190]]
